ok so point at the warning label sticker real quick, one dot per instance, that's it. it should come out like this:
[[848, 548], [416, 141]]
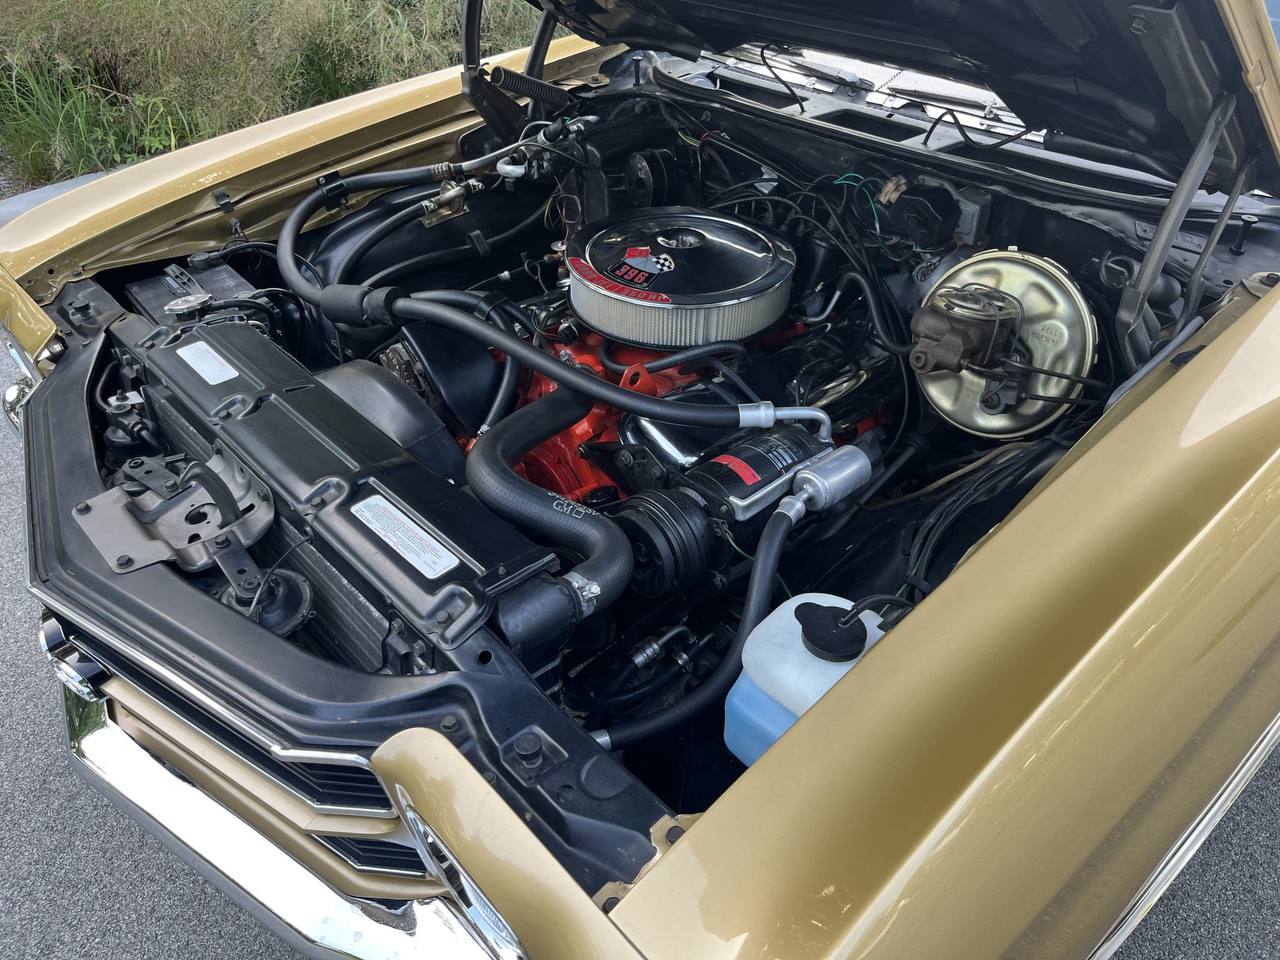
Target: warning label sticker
[[429, 556], [207, 362]]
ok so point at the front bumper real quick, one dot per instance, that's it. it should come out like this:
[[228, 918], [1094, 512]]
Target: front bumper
[[255, 872]]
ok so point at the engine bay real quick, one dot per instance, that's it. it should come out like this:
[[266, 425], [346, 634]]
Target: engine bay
[[635, 433]]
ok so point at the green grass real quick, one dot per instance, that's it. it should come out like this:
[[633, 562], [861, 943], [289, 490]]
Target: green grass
[[57, 122], [90, 84]]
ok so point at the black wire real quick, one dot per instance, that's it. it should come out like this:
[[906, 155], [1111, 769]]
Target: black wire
[[902, 418], [733, 377], [1045, 372], [768, 66], [436, 258], [964, 134], [847, 246], [262, 246], [564, 153], [875, 600], [310, 313], [982, 486], [741, 185], [721, 140], [242, 305], [797, 214], [266, 578]]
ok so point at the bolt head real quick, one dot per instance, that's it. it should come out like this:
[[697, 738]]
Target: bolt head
[[449, 723], [674, 834], [124, 561], [83, 507]]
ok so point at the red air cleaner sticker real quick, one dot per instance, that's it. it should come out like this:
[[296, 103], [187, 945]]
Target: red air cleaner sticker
[[738, 466], [591, 275]]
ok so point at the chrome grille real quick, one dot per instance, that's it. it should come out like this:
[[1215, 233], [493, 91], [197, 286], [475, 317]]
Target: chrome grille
[[383, 856]]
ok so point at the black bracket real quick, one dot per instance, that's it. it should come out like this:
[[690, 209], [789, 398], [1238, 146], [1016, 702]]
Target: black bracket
[[504, 116], [334, 189], [228, 207]]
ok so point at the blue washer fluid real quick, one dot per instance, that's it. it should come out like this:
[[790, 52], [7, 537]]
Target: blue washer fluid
[[781, 679]]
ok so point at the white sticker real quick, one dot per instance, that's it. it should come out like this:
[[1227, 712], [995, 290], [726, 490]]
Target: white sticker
[[428, 555], [206, 361]]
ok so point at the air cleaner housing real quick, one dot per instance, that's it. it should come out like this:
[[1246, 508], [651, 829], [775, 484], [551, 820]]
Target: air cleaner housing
[[672, 277]]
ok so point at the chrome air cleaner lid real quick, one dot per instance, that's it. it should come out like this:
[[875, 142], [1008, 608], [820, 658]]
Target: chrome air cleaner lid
[[677, 277]]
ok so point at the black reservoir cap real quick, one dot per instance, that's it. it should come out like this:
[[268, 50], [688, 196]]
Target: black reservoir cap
[[826, 634]]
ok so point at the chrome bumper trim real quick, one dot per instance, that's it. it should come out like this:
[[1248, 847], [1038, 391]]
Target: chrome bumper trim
[[1180, 855], [19, 392], [15, 398], [286, 897]]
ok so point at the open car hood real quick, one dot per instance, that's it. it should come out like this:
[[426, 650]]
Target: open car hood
[[1143, 77]]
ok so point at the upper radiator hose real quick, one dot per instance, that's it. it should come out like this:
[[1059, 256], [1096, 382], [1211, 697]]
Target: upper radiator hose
[[606, 568]]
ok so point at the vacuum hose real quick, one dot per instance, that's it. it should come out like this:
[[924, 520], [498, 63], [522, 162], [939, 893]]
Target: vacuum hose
[[605, 570], [506, 315]]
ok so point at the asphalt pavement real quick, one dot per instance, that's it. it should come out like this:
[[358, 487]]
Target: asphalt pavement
[[79, 879]]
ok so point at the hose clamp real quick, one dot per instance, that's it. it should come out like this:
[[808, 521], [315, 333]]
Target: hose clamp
[[585, 591]]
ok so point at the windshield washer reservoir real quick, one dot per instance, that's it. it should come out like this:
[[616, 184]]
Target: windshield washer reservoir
[[781, 678]]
